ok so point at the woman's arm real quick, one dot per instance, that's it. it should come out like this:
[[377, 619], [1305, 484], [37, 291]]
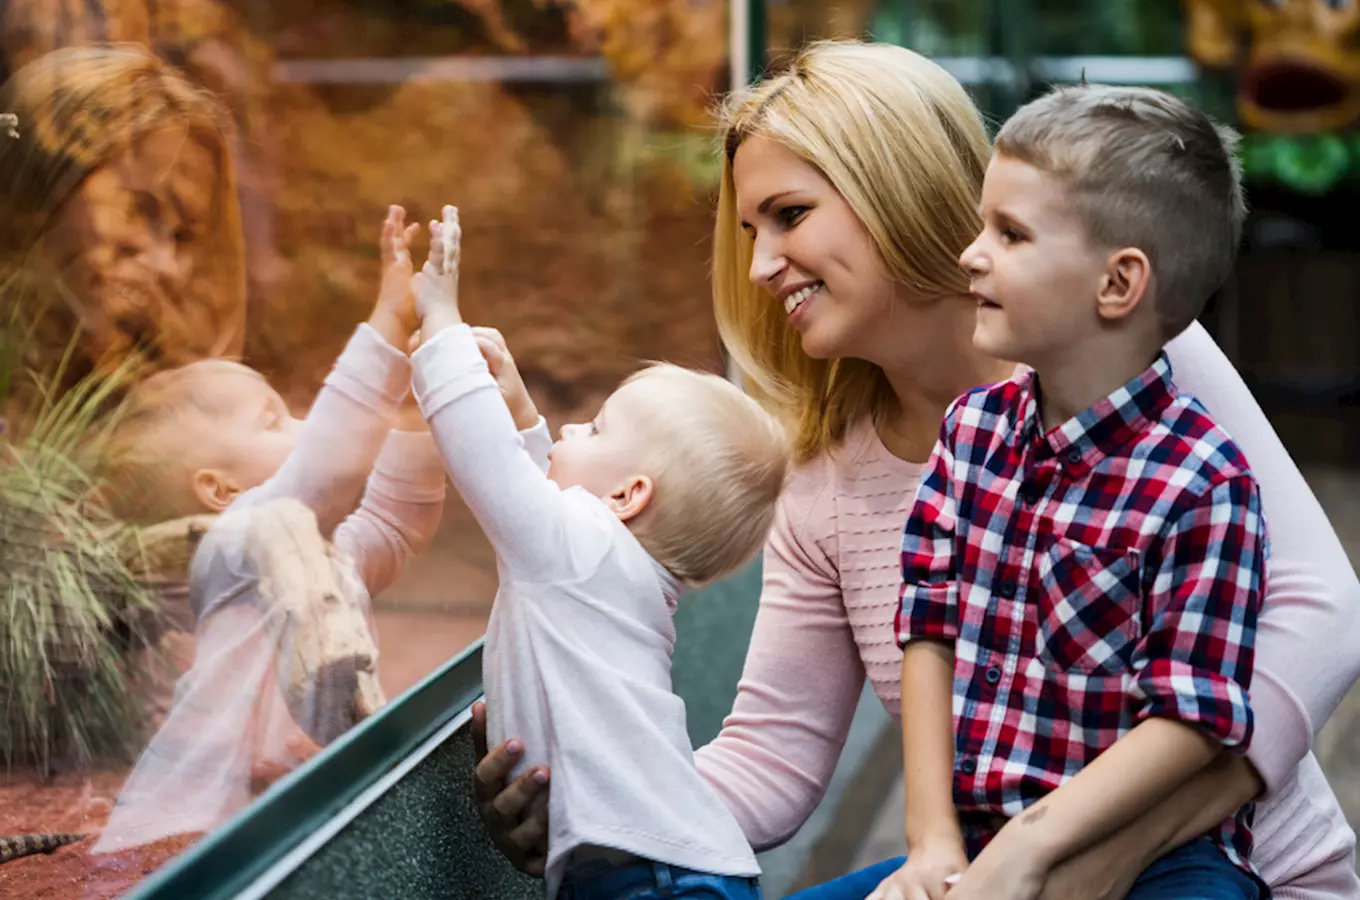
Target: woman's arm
[[774, 758], [1308, 635]]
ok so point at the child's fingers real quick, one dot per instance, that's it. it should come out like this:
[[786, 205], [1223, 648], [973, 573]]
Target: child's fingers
[[494, 355], [410, 232], [493, 335]]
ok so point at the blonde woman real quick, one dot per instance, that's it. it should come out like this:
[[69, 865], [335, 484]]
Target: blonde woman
[[118, 213], [850, 188]]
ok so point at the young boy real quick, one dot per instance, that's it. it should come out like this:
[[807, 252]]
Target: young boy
[[279, 586], [674, 482], [1085, 558]]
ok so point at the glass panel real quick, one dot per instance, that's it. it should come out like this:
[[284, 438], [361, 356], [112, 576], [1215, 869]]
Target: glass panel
[[217, 187]]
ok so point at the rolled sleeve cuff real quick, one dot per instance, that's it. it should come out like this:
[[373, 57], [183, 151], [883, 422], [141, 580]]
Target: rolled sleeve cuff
[[927, 611], [447, 368], [371, 372], [1287, 735], [1197, 697]]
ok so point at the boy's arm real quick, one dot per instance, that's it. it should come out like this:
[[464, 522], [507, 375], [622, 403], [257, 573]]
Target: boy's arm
[[1192, 670], [926, 627], [932, 824]]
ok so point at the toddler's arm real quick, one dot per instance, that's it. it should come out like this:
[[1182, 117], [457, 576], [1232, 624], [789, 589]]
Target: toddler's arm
[[349, 420], [534, 528]]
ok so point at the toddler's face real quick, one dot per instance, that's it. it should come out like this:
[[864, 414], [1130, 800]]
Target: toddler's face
[[255, 432], [602, 454]]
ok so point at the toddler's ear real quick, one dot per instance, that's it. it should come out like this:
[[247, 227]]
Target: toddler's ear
[[630, 498], [214, 489]]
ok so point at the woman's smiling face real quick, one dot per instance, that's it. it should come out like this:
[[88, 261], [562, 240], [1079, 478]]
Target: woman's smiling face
[[811, 253]]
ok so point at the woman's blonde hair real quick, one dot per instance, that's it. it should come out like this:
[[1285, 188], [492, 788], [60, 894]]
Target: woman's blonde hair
[[78, 108], [899, 138]]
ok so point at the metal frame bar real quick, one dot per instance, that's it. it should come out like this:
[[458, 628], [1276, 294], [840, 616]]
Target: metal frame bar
[[280, 830]]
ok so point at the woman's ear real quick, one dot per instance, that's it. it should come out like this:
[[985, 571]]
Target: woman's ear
[[630, 498], [1128, 275], [214, 489]]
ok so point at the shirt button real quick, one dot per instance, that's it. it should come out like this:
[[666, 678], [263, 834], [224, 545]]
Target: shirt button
[[993, 675], [1074, 456], [968, 765], [1006, 588]]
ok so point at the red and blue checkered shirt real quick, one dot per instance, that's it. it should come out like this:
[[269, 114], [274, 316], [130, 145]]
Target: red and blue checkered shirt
[[1107, 571]]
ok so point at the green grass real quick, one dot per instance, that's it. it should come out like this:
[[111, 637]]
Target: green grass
[[70, 608]]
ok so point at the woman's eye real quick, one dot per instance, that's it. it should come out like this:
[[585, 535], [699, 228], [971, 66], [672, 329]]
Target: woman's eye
[[792, 215]]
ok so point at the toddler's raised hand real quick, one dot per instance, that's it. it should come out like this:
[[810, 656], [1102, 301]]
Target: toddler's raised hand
[[394, 315], [436, 287]]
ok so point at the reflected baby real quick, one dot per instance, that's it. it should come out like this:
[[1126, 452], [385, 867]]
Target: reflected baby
[[307, 520]]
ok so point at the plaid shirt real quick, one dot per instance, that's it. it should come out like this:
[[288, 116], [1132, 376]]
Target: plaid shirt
[[1089, 578]]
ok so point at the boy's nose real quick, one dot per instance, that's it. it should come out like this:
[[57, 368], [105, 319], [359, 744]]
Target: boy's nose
[[973, 261]]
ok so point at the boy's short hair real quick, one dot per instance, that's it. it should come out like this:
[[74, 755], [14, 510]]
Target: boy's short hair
[[161, 435], [718, 461], [1143, 169]]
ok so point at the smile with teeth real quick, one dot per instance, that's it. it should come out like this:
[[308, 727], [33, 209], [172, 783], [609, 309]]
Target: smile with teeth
[[795, 300]]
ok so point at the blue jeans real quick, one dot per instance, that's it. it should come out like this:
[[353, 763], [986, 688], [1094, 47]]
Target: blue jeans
[[1197, 871], [643, 880]]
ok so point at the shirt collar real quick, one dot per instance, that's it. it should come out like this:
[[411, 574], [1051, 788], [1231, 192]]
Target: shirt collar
[[1104, 428]]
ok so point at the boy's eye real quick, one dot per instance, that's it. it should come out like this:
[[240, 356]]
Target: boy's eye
[[1011, 236], [594, 429]]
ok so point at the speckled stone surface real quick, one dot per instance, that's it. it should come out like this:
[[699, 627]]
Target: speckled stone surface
[[421, 839], [713, 628]]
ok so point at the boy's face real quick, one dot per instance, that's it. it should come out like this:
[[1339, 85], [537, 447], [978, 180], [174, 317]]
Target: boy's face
[[256, 433], [602, 455], [1032, 269]]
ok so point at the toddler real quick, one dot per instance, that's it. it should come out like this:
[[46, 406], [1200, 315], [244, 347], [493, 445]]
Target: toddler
[[674, 482], [279, 586]]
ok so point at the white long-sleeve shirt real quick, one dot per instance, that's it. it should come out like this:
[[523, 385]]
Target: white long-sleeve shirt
[[578, 648]]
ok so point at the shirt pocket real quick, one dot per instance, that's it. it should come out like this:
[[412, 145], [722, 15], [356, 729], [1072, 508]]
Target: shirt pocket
[[1089, 608]]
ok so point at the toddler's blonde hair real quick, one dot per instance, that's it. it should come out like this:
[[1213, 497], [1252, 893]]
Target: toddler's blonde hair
[[162, 435], [718, 462]]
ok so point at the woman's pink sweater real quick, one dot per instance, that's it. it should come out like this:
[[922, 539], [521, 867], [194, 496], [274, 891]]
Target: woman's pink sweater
[[831, 574]]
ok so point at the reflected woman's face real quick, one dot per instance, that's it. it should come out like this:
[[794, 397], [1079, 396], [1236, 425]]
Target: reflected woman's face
[[133, 247]]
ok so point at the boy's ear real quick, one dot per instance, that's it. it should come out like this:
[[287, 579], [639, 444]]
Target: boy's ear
[[1125, 283], [630, 498], [214, 489]]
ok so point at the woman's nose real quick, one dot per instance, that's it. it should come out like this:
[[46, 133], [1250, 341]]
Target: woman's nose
[[766, 264]]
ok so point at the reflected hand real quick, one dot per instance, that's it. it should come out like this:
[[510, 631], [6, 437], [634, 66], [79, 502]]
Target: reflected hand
[[394, 315], [516, 816]]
